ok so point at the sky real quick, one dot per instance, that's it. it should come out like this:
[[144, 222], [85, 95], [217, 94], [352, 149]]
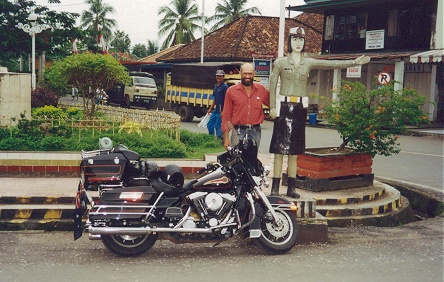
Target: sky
[[139, 18]]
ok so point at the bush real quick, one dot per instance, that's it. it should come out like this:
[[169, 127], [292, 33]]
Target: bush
[[370, 120], [52, 143], [42, 96], [56, 135], [48, 111]]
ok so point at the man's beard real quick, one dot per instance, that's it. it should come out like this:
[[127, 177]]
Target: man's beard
[[246, 83]]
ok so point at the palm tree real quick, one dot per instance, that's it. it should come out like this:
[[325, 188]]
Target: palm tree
[[152, 48], [179, 22], [230, 11], [95, 19]]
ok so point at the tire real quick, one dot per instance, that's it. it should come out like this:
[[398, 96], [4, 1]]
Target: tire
[[126, 103], [177, 109], [128, 245], [186, 113], [278, 239]]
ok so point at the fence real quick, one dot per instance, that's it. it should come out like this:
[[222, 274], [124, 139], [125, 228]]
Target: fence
[[149, 121]]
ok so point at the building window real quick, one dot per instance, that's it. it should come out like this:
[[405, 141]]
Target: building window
[[349, 26], [413, 21]]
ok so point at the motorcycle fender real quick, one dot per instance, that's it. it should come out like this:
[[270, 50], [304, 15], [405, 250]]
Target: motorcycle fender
[[277, 203]]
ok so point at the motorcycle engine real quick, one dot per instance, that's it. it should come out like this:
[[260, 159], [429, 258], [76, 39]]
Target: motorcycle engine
[[212, 207]]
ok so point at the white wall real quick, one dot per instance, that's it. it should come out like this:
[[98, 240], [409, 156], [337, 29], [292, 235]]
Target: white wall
[[15, 96]]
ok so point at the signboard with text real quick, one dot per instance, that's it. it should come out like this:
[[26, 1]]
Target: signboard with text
[[374, 39], [262, 67], [354, 72]]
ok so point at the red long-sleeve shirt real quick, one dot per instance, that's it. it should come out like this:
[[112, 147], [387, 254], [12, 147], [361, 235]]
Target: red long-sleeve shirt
[[240, 109]]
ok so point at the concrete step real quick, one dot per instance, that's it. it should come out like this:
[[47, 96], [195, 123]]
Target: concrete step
[[36, 211], [36, 200], [387, 202], [399, 216]]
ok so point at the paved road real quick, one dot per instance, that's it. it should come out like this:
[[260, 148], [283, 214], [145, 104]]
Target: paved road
[[420, 161], [413, 252]]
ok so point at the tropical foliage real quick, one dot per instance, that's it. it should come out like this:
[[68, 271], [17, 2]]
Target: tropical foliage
[[87, 72], [39, 134], [120, 42], [371, 120], [229, 11], [15, 43], [96, 19], [179, 21]]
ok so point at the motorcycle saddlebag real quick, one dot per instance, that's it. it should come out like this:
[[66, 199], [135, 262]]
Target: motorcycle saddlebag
[[106, 168]]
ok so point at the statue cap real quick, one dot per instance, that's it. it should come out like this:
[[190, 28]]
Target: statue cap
[[297, 31]]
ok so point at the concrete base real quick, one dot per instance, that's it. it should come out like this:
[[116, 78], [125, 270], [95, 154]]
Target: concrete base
[[331, 184]]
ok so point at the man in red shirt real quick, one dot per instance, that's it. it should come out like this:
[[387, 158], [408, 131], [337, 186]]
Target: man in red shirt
[[243, 107]]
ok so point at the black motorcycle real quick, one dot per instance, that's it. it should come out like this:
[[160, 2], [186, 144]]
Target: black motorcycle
[[138, 202]]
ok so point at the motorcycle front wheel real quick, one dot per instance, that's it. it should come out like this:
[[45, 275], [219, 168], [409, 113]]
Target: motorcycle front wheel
[[278, 238], [129, 245]]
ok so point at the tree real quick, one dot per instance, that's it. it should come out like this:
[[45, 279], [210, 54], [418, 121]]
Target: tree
[[95, 19], [179, 22], [120, 42], [139, 50], [87, 72], [230, 11], [15, 43], [152, 48]]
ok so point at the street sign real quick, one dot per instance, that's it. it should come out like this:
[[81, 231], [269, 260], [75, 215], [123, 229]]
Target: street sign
[[384, 78]]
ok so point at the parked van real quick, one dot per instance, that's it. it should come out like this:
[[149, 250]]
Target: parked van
[[141, 91]]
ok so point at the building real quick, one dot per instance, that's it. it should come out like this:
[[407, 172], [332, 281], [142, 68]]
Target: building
[[239, 41], [404, 39]]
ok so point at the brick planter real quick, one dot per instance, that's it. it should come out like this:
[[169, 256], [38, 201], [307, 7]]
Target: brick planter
[[332, 165], [320, 170]]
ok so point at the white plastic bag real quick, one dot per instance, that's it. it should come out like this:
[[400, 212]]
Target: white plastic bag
[[204, 121]]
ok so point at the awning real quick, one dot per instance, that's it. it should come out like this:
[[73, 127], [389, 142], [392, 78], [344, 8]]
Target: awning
[[432, 56], [319, 6]]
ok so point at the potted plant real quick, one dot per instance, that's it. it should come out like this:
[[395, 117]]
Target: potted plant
[[369, 123]]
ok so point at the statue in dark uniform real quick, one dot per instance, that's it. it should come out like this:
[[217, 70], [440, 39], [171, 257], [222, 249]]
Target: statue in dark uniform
[[289, 128]]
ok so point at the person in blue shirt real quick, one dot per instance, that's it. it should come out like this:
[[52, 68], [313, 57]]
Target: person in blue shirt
[[214, 123]]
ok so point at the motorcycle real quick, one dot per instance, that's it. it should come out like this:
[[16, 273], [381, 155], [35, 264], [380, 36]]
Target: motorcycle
[[139, 203]]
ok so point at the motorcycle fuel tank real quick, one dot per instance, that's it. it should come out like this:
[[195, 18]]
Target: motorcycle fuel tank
[[214, 180]]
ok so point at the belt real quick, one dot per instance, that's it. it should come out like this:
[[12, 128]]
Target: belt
[[247, 126]]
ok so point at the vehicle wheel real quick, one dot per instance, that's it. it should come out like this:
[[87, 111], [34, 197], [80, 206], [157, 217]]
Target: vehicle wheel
[[126, 103], [278, 239], [129, 245], [177, 109], [186, 113]]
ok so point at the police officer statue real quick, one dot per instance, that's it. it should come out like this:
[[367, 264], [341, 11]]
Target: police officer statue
[[289, 128]]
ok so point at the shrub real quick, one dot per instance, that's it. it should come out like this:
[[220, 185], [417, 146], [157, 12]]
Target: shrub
[[42, 96], [371, 120], [52, 143], [48, 111]]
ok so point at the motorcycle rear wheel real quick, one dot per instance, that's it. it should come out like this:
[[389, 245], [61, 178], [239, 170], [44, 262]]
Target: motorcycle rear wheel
[[129, 245], [276, 239]]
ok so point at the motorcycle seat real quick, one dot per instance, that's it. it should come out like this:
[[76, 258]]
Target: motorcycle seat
[[128, 154]]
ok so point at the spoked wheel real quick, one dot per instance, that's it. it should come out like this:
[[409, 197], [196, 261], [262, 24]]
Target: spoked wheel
[[129, 245], [280, 237]]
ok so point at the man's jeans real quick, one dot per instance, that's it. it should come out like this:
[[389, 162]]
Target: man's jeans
[[214, 125]]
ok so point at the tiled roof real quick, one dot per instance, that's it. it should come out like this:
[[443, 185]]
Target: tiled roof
[[151, 59], [239, 40]]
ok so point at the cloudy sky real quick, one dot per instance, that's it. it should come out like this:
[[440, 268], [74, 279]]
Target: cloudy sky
[[139, 18]]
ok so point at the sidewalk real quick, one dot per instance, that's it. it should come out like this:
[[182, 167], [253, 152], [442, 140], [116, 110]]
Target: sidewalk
[[67, 186]]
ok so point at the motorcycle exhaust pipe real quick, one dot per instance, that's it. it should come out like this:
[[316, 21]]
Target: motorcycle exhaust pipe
[[94, 236], [142, 230]]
